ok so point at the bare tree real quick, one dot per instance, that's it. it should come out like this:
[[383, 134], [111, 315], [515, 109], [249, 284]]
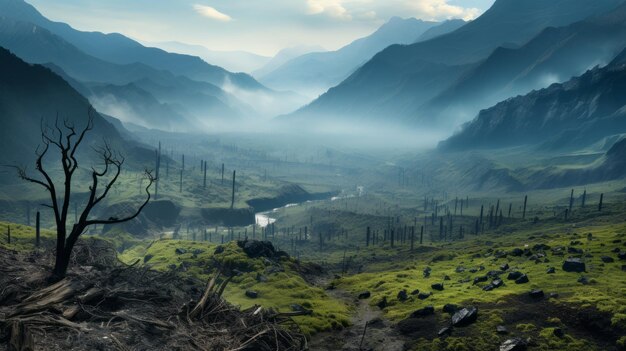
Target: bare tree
[[67, 140]]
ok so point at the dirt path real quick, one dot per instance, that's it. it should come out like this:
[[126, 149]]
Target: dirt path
[[380, 334]]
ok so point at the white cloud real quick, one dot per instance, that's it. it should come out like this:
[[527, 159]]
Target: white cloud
[[331, 8], [212, 13], [438, 9]]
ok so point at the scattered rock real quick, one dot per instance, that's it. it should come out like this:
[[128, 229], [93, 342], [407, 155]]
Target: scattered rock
[[554, 295], [494, 274], [622, 256], [460, 269], [607, 259], [402, 295], [558, 332], [450, 308], [423, 295], [446, 277], [504, 267], [624, 267], [252, 294], [514, 275], [465, 317], [488, 287], [616, 250], [574, 251], [415, 292], [364, 295], [299, 308], [523, 279], [423, 312], [444, 332], [219, 250], [382, 304], [574, 265], [551, 270], [438, 286], [501, 330], [255, 248], [147, 258], [180, 251], [481, 279], [541, 247], [473, 270], [261, 278], [583, 280], [497, 283], [536, 294], [197, 252], [517, 252], [515, 344]]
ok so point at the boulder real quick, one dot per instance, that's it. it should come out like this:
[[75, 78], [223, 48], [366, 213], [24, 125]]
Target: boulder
[[465, 317], [622, 256], [382, 304], [415, 292], [517, 252], [554, 295], [558, 332], [501, 330], [480, 279], [523, 279], [438, 286], [252, 294], [505, 267], [255, 248], [494, 274], [551, 270], [423, 295], [450, 308], [514, 275], [607, 259], [180, 251], [423, 312], [574, 265], [364, 295], [497, 283], [488, 287], [583, 280], [515, 344], [447, 277], [147, 258], [574, 251], [460, 269], [402, 295], [536, 294]]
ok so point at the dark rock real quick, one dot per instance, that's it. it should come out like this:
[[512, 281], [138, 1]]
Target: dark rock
[[438, 286], [501, 330], [617, 241], [607, 259], [494, 274], [481, 279], [574, 251], [558, 251], [500, 254], [261, 278], [488, 287], [504, 267], [536, 294], [616, 250], [446, 277], [481, 268], [514, 275], [423, 312], [172, 266], [551, 270], [576, 242], [180, 251], [219, 250], [473, 270], [515, 344], [541, 247], [444, 331], [364, 295], [574, 265], [450, 308], [197, 251], [402, 295], [558, 332], [415, 292], [622, 256], [554, 295], [497, 283], [465, 317], [624, 267], [382, 304], [273, 270], [583, 280], [517, 252], [523, 279], [460, 269], [255, 248], [252, 294], [299, 308], [423, 295], [147, 258]]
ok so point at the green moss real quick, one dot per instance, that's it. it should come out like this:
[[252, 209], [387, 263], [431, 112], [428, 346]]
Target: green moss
[[525, 327], [23, 237]]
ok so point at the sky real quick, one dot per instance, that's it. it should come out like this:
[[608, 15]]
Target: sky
[[260, 26]]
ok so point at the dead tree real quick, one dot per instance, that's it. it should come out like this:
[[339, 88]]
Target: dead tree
[[67, 140], [232, 201]]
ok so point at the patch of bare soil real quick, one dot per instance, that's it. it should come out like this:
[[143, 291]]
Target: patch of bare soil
[[105, 305]]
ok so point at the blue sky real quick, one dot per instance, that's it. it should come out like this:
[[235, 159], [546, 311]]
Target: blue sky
[[260, 26]]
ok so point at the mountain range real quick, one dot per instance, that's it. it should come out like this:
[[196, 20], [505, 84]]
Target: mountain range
[[396, 83], [313, 73]]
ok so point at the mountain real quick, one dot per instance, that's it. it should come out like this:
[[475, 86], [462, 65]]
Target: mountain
[[118, 49], [234, 61], [285, 55], [444, 28], [554, 55], [571, 115], [31, 95], [396, 82], [314, 73]]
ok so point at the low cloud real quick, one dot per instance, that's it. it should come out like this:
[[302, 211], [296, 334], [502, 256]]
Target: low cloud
[[439, 9], [212, 13]]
